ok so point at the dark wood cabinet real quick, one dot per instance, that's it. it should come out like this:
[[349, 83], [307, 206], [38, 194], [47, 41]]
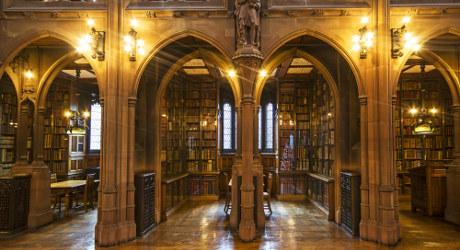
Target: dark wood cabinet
[[145, 202], [14, 204], [350, 211]]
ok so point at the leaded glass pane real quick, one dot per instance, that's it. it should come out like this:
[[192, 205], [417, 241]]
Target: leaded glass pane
[[260, 128], [95, 130], [269, 127], [227, 126]]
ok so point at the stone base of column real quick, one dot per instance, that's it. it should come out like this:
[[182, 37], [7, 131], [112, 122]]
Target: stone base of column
[[382, 234], [106, 235], [452, 211], [40, 212], [247, 231], [126, 232]]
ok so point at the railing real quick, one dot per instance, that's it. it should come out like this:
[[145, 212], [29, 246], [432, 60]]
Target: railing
[[174, 190], [320, 190]]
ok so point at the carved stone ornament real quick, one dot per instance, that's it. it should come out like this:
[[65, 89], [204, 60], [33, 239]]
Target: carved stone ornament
[[177, 14], [28, 15], [150, 14], [82, 15], [345, 12], [56, 14], [28, 92], [203, 14], [292, 13], [318, 13], [247, 14], [414, 12], [440, 11]]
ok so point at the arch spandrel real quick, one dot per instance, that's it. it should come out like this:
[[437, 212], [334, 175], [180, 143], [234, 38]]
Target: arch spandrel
[[19, 43], [445, 69], [159, 46], [336, 42]]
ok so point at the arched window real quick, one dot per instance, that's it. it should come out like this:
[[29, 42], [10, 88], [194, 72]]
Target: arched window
[[227, 126], [95, 130], [260, 128], [269, 127]]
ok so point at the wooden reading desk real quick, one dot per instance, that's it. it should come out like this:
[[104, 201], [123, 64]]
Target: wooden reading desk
[[68, 187]]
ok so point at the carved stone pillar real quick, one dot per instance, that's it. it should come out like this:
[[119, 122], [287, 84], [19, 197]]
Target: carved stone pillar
[[365, 212], [452, 211], [38, 137], [40, 212], [21, 135], [247, 61], [130, 206]]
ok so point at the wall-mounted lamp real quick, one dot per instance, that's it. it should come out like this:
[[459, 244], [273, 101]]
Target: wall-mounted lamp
[[21, 60], [364, 39], [263, 73], [77, 122], [94, 42], [231, 73], [133, 44], [403, 41]]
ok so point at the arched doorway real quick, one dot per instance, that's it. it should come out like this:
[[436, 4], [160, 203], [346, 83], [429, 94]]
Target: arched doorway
[[425, 127], [317, 122], [180, 132]]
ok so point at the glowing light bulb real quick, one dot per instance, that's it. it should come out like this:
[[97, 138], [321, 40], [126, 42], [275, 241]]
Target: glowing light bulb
[[433, 110], [263, 73], [356, 47], [67, 114], [369, 43], [134, 23], [231, 73], [90, 22], [128, 39], [406, 20], [365, 20], [140, 43], [128, 48], [29, 74], [413, 111], [369, 35], [416, 47], [86, 114], [141, 51], [355, 39], [407, 36]]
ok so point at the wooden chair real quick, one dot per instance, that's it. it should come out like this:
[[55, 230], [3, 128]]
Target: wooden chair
[[88, 195], [56, 196], [268, 194], [228, 194]]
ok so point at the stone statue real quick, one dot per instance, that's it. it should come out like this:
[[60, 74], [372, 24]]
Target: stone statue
[[247, 14]]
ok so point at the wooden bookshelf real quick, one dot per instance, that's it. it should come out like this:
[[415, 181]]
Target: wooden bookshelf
[[189, 136], [430, 91], [306, 135], [8, 118]]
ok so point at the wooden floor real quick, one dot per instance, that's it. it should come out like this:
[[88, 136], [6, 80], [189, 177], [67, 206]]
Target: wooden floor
[[203, 225]]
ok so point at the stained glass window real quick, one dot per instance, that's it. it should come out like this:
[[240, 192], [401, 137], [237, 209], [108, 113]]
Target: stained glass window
[[227, 126], [95, 130], [269, 127], [260, 128]]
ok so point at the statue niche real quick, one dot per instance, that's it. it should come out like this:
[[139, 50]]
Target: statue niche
[[248, 22]]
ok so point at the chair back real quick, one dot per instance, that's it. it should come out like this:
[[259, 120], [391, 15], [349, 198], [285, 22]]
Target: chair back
[[227, 181], [53, 178], [89, 187], [269, 183]]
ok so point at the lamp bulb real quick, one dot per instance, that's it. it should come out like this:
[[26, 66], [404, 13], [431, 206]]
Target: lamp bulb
[[90, 22], [134, 23], [263, 73], [406, 20], [231, 73], [365, 20]]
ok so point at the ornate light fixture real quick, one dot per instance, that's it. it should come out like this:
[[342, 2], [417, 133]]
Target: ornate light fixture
[[424, 121], [403, 41], [76, 122], [363, 40], [21, 60], [93, 42], [133, 44]]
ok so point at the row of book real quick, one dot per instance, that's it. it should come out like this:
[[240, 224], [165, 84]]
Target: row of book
[[7, 155]]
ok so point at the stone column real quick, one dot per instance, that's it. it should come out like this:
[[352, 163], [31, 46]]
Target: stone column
[[452, 211], [382, 225], [247, 60], [38, 137], [40, 212], [365, 208], [130, 206], [21, 134]]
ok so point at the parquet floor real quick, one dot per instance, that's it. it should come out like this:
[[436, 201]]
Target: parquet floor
[[203, 225]]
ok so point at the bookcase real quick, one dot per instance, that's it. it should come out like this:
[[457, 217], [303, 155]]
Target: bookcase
[[56, 142], [306, 134], [189, 137], [8, 118], [415, 91]]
